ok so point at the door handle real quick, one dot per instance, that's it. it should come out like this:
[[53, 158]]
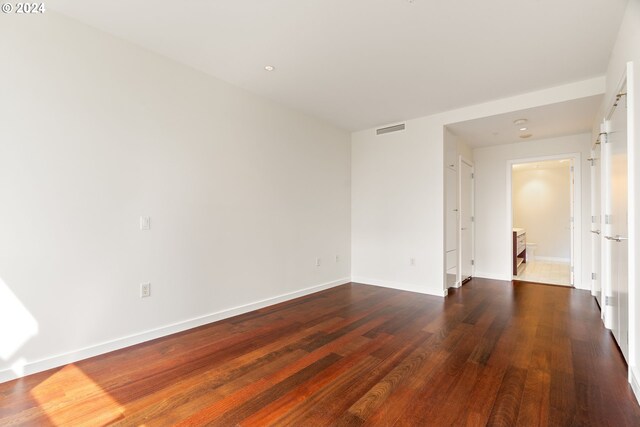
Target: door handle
[[463, 228], [596, 232], [616, 238]]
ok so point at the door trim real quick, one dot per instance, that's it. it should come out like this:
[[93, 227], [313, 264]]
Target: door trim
[[576, 244], [461, 160]]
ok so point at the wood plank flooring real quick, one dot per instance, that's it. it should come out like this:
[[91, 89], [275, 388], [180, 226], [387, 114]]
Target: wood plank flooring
[[492, 353]]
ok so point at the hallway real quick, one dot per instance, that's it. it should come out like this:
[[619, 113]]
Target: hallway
[[491, 353]]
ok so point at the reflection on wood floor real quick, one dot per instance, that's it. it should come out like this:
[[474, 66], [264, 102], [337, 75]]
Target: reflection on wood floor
[[491, 353]]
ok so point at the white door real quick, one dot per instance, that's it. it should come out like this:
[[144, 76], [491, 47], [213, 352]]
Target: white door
[[605, 228], [617, 227], [466, 220], [572, 184], [451, 224], [596, 235]]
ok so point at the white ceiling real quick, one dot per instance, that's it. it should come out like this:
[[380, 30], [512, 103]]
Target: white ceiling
[[364, 63], [553, 120]]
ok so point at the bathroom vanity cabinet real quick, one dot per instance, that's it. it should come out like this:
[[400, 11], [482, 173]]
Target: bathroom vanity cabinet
[[519, 249]]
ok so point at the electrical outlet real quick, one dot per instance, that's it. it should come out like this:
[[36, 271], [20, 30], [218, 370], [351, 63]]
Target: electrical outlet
[[145, 290], [317, 262], [337, 258], [412, 262], [145, 223]]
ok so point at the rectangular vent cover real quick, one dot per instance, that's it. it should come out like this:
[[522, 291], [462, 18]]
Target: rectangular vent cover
[[390, 129]]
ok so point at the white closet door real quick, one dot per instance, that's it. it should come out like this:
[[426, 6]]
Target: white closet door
[[596, 235], [451, 206], [451, 231], [572, 221], [617, 230]]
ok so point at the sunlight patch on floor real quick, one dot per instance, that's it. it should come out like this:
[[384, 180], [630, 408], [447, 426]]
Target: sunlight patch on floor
[[70, 397]]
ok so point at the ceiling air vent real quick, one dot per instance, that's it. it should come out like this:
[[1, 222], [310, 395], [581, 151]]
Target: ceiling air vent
[[390, 129]]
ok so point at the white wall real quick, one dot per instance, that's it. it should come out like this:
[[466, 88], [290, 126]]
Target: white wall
[[397, 192], [397, 208], [626, 49], [541, 205], [493, 249], [243, 195], [463, 149]]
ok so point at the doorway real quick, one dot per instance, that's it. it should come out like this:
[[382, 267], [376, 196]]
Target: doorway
[[543, 220]]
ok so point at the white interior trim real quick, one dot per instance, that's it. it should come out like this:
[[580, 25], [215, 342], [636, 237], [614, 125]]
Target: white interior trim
[[634, 380], [632, 140], [463, 159], [483, 275], [32, 367], [411, 287]]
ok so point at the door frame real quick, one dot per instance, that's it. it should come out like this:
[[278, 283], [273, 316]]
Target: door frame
[[596, 222], [633, 138], [468, 162], [576, 243]]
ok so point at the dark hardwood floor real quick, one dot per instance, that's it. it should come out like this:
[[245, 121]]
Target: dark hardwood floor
[[492, 353]]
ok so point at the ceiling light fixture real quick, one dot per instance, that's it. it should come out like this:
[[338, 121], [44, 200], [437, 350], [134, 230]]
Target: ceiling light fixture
[[523, 129], [519, 122], [526, 135], [269, 67]]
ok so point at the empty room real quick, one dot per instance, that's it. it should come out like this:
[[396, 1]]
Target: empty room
[[320, 213]]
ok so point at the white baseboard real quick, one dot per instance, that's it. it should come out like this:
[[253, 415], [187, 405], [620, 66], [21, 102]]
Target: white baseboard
[[552, 259], [32, 367], [634, 379], [398, 285], [492, 276], [582, 287]]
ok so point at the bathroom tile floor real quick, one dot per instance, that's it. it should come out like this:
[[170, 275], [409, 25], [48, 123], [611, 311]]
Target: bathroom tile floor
[[553, 273]]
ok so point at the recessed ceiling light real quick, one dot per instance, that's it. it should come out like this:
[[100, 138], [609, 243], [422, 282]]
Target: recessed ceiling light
[[523, 129], [526, 135], [269, 67], [519, 122]]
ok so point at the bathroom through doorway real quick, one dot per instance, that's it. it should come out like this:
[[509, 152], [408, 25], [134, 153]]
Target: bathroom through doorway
[[543, 225]]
